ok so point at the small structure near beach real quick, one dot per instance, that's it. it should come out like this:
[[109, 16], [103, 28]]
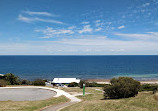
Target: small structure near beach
[[65, 80], [1, 74]]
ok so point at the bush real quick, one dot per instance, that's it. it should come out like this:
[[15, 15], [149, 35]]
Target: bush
[[148, 87], [73, 84], [122, 87], [38, 82], [11, 79], [82, 82], [45, 80], [25, 82], [94, 84], [2, 83], [1, 77], [88, 84]]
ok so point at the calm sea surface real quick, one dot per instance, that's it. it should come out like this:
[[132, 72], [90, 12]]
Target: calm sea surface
[[48, 67]]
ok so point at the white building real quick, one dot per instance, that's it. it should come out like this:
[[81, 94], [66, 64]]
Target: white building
[[65, 80], [1, 74]]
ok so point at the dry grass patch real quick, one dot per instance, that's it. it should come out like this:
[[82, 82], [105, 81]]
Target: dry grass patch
[[156, 96], [30, 105]]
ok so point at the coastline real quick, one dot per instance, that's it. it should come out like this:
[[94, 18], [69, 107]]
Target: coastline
[[107, 81]]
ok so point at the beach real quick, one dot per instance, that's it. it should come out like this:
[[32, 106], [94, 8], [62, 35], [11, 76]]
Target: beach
[[107, 81]]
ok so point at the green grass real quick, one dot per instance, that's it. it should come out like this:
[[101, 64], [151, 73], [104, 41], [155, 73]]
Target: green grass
[[30, 105], [144, 101]]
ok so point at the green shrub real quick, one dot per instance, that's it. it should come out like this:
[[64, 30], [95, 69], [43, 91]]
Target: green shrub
[[88, 84], [73, 84], [94, 84], [122, 87], [45, 80], [1, 77], [2, 83], [25, 82], [11, 79], [148, 87], [82, 82], [38, 82]]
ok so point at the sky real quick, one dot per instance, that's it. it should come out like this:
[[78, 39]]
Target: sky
[[78, 27]]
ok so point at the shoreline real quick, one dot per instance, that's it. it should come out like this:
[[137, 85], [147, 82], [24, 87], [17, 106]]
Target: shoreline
[[107, 81]]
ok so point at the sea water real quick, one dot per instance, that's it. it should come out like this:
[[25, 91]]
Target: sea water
[[143, 67]]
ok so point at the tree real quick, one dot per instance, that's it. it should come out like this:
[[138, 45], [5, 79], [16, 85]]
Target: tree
[[11, 79], [122, 87]]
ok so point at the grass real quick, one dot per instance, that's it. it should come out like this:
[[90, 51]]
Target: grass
[[144, 101], [77, 89], [30, 105]]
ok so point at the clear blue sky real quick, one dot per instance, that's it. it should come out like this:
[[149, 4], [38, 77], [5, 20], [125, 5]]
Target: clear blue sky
[[78, 27]]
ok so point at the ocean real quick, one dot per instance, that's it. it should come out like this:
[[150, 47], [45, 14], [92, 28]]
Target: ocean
[[143, 67]]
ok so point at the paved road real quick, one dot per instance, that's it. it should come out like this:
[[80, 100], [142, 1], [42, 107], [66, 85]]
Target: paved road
[[25, 94]]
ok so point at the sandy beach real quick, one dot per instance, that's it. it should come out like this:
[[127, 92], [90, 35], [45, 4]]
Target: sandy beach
[[107, 81]]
